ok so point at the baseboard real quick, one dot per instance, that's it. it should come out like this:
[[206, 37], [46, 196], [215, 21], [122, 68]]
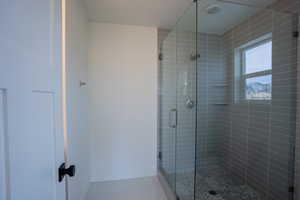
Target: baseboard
[[96, 180], [84, 196]]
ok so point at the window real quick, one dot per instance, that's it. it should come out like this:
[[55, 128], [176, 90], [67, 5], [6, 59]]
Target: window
[[254, 70]]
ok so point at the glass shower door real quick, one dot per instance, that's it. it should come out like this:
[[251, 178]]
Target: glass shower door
[[168, 111], [246, 134], [178, 106], [186, 58]]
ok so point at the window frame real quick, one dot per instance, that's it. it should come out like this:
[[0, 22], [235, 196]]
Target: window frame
[[240, 68]]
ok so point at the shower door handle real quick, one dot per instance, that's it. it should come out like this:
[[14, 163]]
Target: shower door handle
[[173, 118]]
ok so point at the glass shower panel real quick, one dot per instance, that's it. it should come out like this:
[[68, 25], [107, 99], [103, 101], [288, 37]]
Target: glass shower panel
[[245, 145], [167, 111], [186, 103]]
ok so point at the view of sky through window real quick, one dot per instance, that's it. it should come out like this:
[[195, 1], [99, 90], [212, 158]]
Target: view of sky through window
[[258, 58], [257, 65]]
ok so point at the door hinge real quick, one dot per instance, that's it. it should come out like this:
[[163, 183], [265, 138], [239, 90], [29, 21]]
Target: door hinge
[[296, 34], [292, 189], [160, 57], [160, 155], [294, 152]]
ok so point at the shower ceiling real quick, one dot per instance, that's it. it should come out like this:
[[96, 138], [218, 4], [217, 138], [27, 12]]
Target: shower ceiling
[[219, 16], [164, 14], [230, 14]]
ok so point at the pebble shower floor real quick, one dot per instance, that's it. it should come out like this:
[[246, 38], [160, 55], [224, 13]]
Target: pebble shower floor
[[215, 184]]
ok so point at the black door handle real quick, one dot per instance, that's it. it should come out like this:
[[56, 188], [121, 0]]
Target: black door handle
[[62, 171]]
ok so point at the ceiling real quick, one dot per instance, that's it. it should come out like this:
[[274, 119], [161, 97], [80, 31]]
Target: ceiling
[[153, 13], [165, 13]]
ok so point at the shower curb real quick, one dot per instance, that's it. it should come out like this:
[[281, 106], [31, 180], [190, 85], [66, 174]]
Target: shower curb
[[168, 191]]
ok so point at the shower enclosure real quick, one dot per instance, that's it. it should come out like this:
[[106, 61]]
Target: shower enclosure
[[227, 101]]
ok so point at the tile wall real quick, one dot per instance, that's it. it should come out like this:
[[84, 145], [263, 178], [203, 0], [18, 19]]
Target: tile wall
[[260, 135]]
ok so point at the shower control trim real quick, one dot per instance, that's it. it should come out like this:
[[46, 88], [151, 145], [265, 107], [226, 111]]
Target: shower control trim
[[189, 102]]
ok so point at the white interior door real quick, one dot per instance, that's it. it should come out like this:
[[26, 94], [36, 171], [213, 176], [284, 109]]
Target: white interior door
[[31, 128]]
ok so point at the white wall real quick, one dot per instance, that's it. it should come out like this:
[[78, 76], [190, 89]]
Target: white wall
[[122, 100], [76, 64]]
